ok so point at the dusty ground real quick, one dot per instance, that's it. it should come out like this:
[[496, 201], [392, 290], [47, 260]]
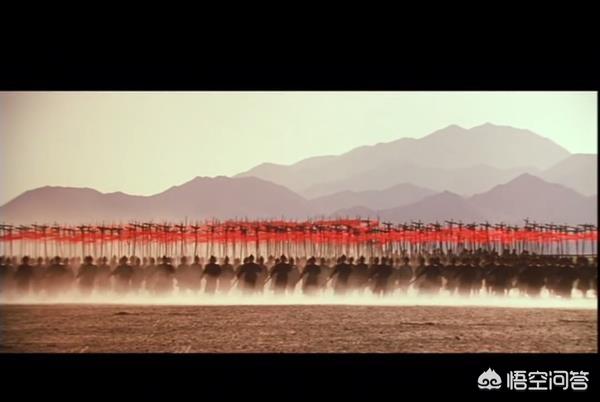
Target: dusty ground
[[288, 328]]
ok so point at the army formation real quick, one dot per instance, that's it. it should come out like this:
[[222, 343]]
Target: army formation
[[467, 272]]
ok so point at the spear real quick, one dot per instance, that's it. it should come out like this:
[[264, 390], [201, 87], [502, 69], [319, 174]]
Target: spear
[[387, 226], [82, 229], [119, 231], [134, 227], [56, 229], [256, 230], [92, 233], [486, 226], [9, 229], [195, 228], [70, 238], [42, 230], [22, 229], [154, 236], [182, 230], [437, 229], [166, 228], [451, 224]]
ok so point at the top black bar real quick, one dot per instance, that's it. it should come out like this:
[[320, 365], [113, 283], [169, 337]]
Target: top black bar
[[433, 75]]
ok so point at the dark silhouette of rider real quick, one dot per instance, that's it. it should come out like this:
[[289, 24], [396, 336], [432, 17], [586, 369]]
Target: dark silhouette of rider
[[248, 275], [182, 274], [341, 272], [227, 275], [103, 275], [310, 274], [138, 274], [165, 277], [404, 275], [87, 275], [122, 274], [24, 276], [380, 276], [280, 275], [211, 273], [58, 277], [195, 273]]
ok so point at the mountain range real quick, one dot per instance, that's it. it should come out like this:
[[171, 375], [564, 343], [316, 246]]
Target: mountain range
[[201, 198], [462, 160], [526, 196], [578, 171], [489, 172]]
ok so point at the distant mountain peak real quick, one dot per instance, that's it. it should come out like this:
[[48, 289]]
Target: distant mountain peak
[[488, 124], [526, 177], [269, 164], [449, 194], [530, 196], [523, 183], [65, 188], [451, 129]]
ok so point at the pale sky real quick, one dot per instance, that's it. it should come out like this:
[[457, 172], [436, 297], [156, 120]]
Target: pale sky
[[145, 142]]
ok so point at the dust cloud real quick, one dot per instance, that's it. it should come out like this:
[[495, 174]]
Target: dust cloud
[[235, 298]]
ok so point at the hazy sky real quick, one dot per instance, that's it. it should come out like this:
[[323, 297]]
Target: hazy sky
[[145, 142]]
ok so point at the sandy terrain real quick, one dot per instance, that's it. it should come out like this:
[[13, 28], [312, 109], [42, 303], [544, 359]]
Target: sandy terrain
[[294, 328]]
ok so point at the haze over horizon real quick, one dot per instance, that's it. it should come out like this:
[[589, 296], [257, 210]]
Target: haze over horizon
[[144, 143]]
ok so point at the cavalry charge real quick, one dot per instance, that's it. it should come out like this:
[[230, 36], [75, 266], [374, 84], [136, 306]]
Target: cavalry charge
[[342, 256]]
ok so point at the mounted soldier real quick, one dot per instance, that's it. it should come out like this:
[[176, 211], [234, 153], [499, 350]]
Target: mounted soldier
[[341, 272], [58, 278], [263, 275], [567, 276], [310, 276], [87, 275], [467, 275], [280, 275], [24, 276], [5, 275], [585, 274], [195, 275], [360, 275], [533, 278], [103, 275], [182, 274], [404, 275], [248, 275], [325, 272], [122, 274], [429, 280], [381, 277], [293, 277], [150, 275], [138, 275], [39, 270], [165, 277], [211, 274], [227, 275], [502, 277]]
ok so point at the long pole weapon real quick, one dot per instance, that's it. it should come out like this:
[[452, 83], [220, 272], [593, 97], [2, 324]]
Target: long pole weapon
[[82, 230], [9, 229], [182, 230], [195, 228]]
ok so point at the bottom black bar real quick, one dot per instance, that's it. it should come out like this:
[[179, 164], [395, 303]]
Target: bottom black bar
[[282, 375]]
